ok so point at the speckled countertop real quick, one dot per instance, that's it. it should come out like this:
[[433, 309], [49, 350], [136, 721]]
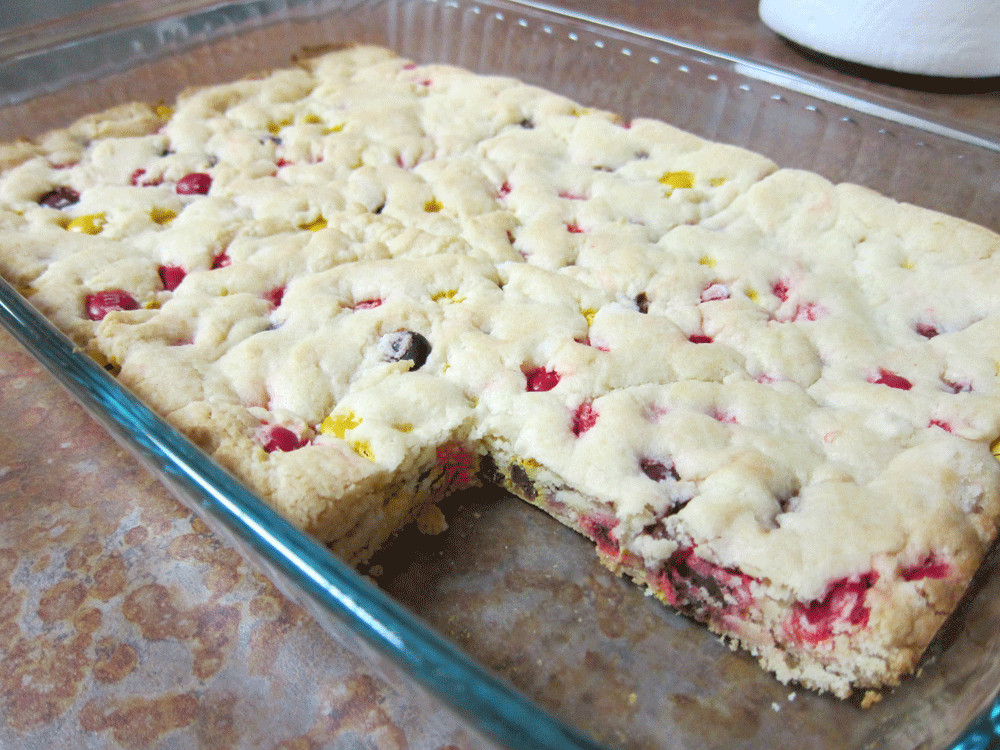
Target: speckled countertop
[[124, 622]]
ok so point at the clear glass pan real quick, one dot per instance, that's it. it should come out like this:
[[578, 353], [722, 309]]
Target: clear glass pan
[[520, 595]]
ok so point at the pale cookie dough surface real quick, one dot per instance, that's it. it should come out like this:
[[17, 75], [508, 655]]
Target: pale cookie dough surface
[[361, 284]]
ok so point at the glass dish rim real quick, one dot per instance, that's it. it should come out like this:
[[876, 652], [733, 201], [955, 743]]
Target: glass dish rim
[[45, 35], [491, 706]]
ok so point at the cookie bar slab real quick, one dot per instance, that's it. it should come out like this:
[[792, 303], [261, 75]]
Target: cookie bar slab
[[361, 284]]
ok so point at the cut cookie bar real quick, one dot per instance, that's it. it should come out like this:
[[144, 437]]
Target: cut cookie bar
[[361, 284], [785, 445]]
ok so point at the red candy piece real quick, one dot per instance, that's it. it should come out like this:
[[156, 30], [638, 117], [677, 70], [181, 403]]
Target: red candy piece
[[809, 311], [599, 528], [274, 296], [458, 465], [657, 470], [137, 179], [780, 289], [940, 423], [540, 379], [100, 304], [844, 602], [367, 304], [725, 417], [574, 228], [931, 567], [171, 276], [891, 379], [584, 418], [961, 386], [504, 190], [714, 292], [708, 590], [221, 260], [699, 338], [927, 330], [196, 183], [59, 197], [278, 438], [587, 342]]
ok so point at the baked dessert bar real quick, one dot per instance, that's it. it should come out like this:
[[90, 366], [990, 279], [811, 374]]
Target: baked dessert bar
[[362, 284]]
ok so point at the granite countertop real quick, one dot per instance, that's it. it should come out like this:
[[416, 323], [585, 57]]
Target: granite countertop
[[125, 622]]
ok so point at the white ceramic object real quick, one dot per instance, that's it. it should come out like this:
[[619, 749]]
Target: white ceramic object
[[953, 38]]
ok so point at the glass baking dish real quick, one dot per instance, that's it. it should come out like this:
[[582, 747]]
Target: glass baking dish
[[508, 620]]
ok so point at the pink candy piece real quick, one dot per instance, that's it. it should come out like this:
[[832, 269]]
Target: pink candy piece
[[367, 304]]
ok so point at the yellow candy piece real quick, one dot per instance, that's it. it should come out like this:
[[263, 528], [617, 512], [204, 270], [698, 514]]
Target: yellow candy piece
[[752, 294], [677, 180], [164, 111], [995, 448], [88, 224], [338, 424], [162, 215], [404, 427], [108, 363], [364, 449], [314, 226], [706, 261], [311, 119], [433, 206], [275, 127], [449, 295], [334, 129], [589, 314], [717, 181]]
